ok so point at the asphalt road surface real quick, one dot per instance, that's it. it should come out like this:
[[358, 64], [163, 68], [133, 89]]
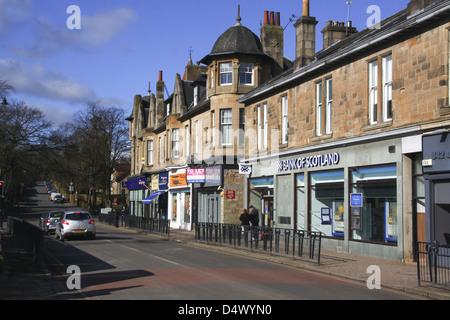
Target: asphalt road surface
[[122, 264]]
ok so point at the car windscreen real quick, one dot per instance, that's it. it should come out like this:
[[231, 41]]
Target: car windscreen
[[56, 214], [78, 216]]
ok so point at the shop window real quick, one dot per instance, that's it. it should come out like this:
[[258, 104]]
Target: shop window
[[301, 201], [377, 219], [326, 192]]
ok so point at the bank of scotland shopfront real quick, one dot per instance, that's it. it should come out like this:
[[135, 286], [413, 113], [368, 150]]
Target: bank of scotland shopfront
[[352, 194]]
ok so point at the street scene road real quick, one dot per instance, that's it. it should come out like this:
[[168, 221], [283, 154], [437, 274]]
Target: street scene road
[[123, 264]]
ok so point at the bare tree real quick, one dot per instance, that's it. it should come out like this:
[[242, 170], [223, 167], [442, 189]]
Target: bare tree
[[23, 132], [102, 134], [5, 88]]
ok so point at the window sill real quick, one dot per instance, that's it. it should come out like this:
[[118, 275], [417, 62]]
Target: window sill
[[444, 111], [377, 126], [322, 138]]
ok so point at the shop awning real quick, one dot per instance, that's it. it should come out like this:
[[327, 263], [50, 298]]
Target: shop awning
[[153, 196]]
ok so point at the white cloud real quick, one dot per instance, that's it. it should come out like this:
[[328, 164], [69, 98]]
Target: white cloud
[[36, 81], [96, 31], [13, 14], [103, 27], [56, 115]]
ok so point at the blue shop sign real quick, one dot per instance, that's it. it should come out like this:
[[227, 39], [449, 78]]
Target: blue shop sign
[[136, 184], [164, 181]]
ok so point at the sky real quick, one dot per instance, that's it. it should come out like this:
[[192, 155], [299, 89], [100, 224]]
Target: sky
[[118, 47]]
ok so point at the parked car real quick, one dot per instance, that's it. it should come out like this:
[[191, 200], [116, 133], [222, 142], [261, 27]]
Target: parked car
[[75, 224], [49, 220], [54, 194], [59, 198]]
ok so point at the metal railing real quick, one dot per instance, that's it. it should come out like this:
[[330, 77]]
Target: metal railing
[[301, 244], [32, 237], [141, 223], [433, 263]]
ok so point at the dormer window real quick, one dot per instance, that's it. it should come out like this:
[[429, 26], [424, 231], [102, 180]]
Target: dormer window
[[246, 74], [226, 73], [195, 95]]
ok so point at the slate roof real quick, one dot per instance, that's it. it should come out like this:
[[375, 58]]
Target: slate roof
[[354, 47], [236, 40]]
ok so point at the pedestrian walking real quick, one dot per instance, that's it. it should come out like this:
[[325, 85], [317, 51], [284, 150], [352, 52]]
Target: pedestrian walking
[[254, 216], [123, 214], [245, 218]]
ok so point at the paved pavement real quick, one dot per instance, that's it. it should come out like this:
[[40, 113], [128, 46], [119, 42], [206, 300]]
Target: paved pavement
[[24, 279]]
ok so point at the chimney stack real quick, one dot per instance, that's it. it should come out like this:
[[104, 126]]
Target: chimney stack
[[415, 6], [305, 38], [272, 39], [336, 31], [159, 118]]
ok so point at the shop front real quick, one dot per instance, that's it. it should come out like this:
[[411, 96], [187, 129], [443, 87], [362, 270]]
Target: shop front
[[352, 194], [138, 192], [179, 200], [207, 191], [156, 202], [436, 169]]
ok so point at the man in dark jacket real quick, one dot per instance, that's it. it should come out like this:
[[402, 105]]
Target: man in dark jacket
[[254, 216]]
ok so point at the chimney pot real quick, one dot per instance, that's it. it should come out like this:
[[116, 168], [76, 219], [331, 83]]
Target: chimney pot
[[266, 17], [160, 75], [272, 18], [306, 8], [277, 19]]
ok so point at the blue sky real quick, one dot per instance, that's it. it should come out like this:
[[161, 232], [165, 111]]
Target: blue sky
[[122, 45]]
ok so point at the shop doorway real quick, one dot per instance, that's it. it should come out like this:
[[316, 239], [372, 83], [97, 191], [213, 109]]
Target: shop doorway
[[267, 211], [212, 208], [209, 207], [441, 217]]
